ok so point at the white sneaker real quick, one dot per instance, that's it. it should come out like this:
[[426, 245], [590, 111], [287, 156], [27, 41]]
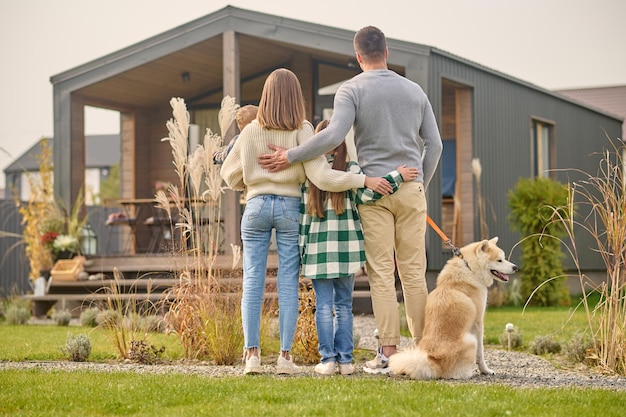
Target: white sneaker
[[327, 368], [253, 365], [285, 366], [378, 365], [346, 368]]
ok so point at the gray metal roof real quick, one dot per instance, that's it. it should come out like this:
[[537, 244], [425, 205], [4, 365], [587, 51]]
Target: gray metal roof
[[102, 151]]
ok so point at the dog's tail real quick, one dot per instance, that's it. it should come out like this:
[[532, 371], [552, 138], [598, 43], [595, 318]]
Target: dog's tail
[[413, 363]]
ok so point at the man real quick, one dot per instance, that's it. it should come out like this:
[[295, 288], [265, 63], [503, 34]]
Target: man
[[393, 120]]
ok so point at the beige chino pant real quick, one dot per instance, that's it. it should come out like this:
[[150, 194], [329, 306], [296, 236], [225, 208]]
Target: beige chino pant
[[396, 224]]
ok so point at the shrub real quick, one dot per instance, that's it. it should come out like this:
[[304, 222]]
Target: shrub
[[77, 348], [109, 317], [62, 317], [152, 323], [89, 317], [143, 353], [17, 314], [577, 348], [533, 203], [545, 344]]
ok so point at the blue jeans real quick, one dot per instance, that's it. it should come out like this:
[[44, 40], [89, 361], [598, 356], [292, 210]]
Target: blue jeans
[[334, 334], [262, 214]]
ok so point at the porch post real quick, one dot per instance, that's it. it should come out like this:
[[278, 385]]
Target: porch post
[[231, 207]]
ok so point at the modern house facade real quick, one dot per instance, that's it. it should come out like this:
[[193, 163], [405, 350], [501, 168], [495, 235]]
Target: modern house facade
[[515, 129]]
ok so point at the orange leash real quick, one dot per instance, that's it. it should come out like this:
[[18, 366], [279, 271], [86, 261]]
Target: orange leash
[[443, 236]]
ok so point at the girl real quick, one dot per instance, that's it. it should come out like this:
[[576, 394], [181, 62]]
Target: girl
[[273, 202], [331, 243]]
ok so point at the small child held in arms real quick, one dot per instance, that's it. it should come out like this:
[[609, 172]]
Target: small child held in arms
[[331, 244], [244, 116]]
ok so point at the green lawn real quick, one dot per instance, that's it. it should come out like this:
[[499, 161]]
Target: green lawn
[[37, 393], [84, 393]]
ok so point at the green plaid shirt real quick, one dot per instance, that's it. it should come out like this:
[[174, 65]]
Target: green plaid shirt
[[332, 247]]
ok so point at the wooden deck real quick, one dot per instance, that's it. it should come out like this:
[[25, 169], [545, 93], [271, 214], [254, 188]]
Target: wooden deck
[[148, 277]]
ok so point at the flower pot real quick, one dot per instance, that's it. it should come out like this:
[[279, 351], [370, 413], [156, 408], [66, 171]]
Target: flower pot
[[65, 254]]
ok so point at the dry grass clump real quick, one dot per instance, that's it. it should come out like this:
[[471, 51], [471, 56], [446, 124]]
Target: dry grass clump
[[207, 321], [120, 316], [305, 344], [597, 207]]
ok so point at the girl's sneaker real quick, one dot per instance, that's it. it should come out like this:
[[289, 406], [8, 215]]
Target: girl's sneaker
[[285, 366], [346, 368], [327, 368], [378, 365]]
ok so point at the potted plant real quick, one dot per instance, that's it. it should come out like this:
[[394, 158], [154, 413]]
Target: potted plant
[[49, 229]]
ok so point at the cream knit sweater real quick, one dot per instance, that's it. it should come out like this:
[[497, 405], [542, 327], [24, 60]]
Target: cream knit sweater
[[242, 171]]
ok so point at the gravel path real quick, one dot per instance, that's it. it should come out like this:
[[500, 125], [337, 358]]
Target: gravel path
[[512, 368]]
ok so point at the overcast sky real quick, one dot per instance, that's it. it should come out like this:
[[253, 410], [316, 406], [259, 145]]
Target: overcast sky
[[554, 44]]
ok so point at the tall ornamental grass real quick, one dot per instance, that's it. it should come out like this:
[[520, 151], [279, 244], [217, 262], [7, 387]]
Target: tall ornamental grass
[[597, 207], [204, 310]]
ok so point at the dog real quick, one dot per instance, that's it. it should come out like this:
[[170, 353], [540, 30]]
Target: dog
[[452, 341]]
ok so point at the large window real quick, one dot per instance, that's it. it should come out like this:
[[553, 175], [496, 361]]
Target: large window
[[543, 148]]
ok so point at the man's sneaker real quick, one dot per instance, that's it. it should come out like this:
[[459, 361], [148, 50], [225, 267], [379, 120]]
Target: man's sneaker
[[285, 366], [253, 365], [378, 365], [327, 368], [346, 368]]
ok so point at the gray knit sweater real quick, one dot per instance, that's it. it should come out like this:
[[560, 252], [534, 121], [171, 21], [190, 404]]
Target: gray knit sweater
[[393, 124]]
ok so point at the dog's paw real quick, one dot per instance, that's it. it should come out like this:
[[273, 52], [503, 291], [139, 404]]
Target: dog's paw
[[486, 371]]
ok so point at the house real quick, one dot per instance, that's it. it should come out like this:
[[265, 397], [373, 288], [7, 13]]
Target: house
[[102, 154], [514, 128], [611, 99]]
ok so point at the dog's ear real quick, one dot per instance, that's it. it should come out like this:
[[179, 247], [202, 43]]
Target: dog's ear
[[494, 240], [483, 246]]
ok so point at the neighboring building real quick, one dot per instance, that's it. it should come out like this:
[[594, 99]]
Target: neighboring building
[[102, 153], [516, 129], [611, 99]]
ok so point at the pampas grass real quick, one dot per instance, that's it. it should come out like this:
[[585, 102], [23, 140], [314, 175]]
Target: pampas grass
[[204, 312]]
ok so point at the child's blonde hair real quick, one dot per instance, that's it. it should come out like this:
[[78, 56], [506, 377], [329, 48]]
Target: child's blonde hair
[[317, 197], [245, 115]]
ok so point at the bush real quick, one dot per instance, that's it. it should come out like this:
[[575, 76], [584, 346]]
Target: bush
[[109, 317], [77, 348], [533, 203], [577, 348], [89, 317], [17, 314], [545, 344], [143, 353], [62, 317], [152, 323]]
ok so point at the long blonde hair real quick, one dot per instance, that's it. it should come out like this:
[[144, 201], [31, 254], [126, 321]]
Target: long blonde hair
[[282, 104], [317, 197]]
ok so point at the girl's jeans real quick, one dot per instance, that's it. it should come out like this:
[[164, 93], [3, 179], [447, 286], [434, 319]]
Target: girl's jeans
[[335, 334], [262, 214]]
